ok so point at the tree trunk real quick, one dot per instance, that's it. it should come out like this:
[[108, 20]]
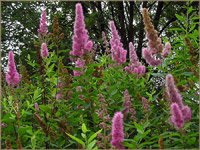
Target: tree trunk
[[158, 14], [141, 34], [122, 30]]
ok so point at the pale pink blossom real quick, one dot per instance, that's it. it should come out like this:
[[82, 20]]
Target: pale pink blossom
[[43, 29], [44, 50], [167, 49]]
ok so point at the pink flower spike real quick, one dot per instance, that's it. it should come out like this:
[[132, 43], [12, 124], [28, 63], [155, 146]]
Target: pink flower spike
[[123, 53], [141, 69], [147, 55], [136, 70], [187, 113], [81, 42], [117, 131], [117, 50], [115, 35], [88, 46], [132, 55], [43, 29], [44, 50], [12, 76], [167, 50], [176, 116], [172, 91]]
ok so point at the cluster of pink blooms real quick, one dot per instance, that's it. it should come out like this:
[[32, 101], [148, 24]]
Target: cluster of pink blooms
[[81, 43], [42, 31], [180, 113], [44, 50], [155, 47], [117, 51], [117, 131], [134, 66], [12, 76]]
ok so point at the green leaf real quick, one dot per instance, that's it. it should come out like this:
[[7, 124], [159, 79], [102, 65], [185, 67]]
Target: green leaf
[[84, 128], [77, 140], [45, 108], [37, 94], [190, 10], [33, 142], [83, 135], [187, 73], [90, 145], [139, 128], [180, 18], [94, 136]]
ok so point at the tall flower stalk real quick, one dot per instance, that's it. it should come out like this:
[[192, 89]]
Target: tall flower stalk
[[43, 28], [180, 113], [155, 52], [134, 66], [81, 43], [117, 131], [12, 76], [117, 51]]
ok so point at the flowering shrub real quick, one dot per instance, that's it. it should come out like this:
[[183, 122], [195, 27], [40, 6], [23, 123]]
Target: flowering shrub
[[101, 101]]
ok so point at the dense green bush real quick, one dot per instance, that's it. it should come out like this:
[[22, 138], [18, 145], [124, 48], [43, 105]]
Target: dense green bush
[[35, 116]]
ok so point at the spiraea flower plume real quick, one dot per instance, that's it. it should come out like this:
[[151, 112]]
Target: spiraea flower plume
[[81, 42], [117, 51], [117, 131], [43, 28], [12, 76], [134, 66], [180, 113]]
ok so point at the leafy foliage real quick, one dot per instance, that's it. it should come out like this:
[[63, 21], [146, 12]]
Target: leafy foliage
[[73, 120]]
